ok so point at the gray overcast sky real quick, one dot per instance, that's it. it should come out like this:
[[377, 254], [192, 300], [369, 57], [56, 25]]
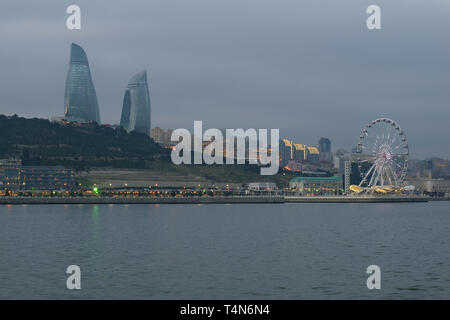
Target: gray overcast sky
[[308, 67]]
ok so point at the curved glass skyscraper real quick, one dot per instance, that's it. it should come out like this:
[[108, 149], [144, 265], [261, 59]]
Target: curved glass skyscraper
[[80, 99], [136, 105]]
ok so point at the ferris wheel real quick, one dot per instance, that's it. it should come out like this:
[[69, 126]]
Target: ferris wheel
[[382, 154]]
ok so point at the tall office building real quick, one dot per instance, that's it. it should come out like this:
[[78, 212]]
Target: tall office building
[[312, 154], [325, 150], [286, 152], [324, 145], [299, 152], [136, 105], [80, 99]]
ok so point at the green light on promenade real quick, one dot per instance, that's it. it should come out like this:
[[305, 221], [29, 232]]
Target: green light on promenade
[[95, 189]]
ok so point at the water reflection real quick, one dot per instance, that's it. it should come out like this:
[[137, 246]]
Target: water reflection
[[95, 213]]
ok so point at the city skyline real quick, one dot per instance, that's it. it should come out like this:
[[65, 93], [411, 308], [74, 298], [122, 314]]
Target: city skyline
[[262, 71], [224, 156]]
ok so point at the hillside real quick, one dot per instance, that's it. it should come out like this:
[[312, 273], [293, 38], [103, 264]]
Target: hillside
[[90, 147], [41, 142]]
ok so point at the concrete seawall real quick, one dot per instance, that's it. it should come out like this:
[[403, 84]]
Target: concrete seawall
[[138, 200], [354, 199], [207, 200]]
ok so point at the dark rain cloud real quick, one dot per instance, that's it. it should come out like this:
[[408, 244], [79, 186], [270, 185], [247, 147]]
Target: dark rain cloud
[[310, 68]]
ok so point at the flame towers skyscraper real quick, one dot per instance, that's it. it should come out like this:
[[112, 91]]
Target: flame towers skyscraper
[[136, 105], [80, 99]]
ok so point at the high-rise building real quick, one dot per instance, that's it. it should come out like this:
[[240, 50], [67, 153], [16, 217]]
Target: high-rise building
[[80, 99], [325, 150], [324, 145], [312, 154], [286, 152], [299, 152], [136, 105]]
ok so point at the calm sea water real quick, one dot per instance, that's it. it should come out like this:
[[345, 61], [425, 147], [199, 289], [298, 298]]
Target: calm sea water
[[249, 251]]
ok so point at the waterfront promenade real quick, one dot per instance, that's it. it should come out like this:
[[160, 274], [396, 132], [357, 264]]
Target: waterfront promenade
[[140, 200], [208, 200], [355, 199]]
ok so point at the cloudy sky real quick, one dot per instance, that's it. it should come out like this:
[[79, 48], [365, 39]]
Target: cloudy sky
[[308, 67]]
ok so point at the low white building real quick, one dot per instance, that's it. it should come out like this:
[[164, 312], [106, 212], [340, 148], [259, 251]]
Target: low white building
[[262, 186], [431, 185]]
